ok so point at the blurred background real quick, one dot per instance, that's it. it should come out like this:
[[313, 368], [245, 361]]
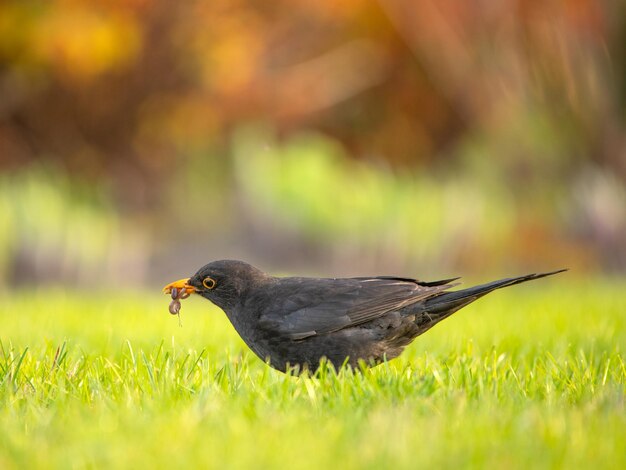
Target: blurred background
[[140, 139]]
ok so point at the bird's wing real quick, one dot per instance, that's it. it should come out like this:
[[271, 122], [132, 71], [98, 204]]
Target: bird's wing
[[318, 306]]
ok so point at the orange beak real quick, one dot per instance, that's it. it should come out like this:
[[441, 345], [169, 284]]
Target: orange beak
[[181, 284]]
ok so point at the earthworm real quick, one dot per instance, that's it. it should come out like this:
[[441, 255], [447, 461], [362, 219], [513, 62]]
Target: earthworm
[[177, 295], [175, 307]]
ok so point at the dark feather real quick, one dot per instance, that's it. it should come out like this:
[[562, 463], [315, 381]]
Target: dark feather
[[329, 305]]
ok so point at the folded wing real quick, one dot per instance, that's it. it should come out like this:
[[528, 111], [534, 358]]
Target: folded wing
[[329, 305]]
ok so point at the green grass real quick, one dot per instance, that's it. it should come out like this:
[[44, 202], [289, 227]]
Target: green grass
[[529, 377]]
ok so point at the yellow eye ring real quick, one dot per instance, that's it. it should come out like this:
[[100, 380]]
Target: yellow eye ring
[[209, 282]]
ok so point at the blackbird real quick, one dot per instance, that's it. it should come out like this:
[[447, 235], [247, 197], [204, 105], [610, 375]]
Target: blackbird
[[294, 322]]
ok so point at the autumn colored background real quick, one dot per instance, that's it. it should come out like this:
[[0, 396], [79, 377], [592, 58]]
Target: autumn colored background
[[140, 138]]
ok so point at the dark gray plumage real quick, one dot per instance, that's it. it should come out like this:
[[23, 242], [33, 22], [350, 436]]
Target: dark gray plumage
[[295, 321]]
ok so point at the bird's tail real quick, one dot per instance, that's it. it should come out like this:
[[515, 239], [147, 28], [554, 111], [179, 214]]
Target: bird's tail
[[445, 304]]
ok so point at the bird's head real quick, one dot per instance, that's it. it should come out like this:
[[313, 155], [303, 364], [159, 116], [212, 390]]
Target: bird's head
[[222, 282]]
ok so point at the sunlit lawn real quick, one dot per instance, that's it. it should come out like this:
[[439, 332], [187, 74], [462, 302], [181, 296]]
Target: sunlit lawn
[[529, 377]]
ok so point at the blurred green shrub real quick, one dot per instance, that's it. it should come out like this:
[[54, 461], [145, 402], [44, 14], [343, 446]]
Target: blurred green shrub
[[309, 185], [61, 230]]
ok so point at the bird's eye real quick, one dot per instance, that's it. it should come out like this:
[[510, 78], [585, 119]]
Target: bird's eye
[[209, 282]]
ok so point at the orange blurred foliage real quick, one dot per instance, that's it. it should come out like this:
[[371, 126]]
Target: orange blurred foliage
[[527, 93]]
